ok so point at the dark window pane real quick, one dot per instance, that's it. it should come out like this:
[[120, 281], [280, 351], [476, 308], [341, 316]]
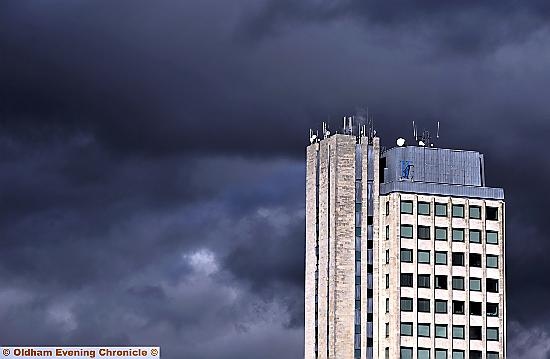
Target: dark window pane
[[423, 305], [458, 307], [440, 282], [475, 333], [475, 260], [492, 285], [491, 213], [475, 308], [423, 232], [406, 279], [492, 309], [423, 281], [458, 259]]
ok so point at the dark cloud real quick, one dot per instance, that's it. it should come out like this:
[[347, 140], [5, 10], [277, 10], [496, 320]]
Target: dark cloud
[[151, 156]]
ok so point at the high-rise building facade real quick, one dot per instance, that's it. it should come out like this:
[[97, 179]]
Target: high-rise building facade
[[404, 252]]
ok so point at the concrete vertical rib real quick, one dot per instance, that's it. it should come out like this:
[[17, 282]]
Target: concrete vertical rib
[[310, 260]]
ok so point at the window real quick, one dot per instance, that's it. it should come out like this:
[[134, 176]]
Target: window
[[424, 256], [423, 232], [492, 355], [387, 352], [458, 354], [475, 236], [458, 210], [406, 279], [440, 234], [406, 304], [441, 354], [492, 334], [491, 213], [475, 308], [492, 285], [441, 209], [492, 237], [423, 330], [387, 232], [358, 231], [441, 330], [475, 354], [406, 353], [492, 309], [458, 307], [458, 234], [424, 208], [423, 281], [458, 332], [475, 333], [475, 260], [475, 284], [406, 255], [440, 306], [387, 330], [406, 231], [406, 207], [407, 329], [458, 259], [458, 283], [387, 281], [492, 261], [423, 305], [475, 212], [387, 208], [357, 292], [387, 256], [440, 257], [423, 353], [440, 282]]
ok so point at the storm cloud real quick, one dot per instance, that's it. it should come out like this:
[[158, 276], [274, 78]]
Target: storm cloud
[[151, 156]]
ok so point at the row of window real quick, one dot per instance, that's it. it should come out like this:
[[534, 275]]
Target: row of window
[[423, 232], [440, 282], [491, 284], [441, 306], [457, 210], [423, 330], [424, 257], [424, 353], [458, 307]]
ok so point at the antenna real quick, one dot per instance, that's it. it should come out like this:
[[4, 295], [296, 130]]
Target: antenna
[[437, 136], [415, 134]]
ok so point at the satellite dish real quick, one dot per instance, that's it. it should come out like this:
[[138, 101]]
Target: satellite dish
[[400, 142], [421, 143], [312, 138]]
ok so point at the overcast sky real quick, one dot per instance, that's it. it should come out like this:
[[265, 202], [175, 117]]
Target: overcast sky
[[152, 156]]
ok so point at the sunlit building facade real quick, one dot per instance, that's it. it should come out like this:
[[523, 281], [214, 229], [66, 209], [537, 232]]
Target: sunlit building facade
[[404, 252]]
